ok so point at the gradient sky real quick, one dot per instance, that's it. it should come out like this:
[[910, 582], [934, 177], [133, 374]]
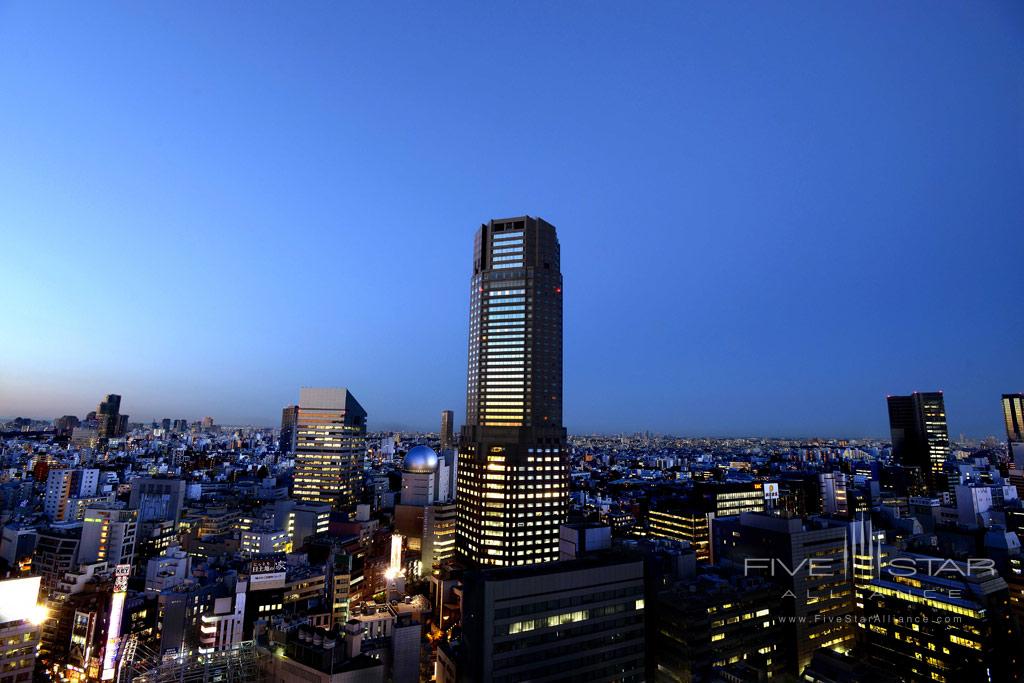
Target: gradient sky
[[771, 214]]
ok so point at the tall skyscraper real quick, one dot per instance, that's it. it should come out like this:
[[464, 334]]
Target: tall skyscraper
[[512, 491], [920, 438], [289, 415], [330, 445], [109, 421], [447, 429], [1013, 412]]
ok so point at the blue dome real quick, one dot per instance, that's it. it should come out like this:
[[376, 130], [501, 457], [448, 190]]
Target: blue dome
[[421, 459]]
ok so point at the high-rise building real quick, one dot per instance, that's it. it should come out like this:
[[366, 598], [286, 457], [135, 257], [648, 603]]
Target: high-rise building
[[834, 493], [512, 491], [330, 446], [920, 438], [56, 552], [110, 423], [714, 620], [689, 519], [65, 484], [108, 535], [809, 561], [286, 443], [157, 498], [1013, 413], [65, 424], [581, 619], [934, 619], [447, 429]]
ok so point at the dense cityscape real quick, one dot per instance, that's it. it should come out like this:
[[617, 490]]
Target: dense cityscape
[[507, 550]]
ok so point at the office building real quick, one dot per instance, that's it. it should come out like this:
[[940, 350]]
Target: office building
[[690, 518], [808, 560], [834, 493], [301, 520], [157, 499], [585, 616], [108, 535], [64, 484], [980, 505], [17, 544], [56, 552], [437, 543], [65, 425], [512, 466], [447, 430], [312, 655], [171, 568], [715, 620], [1013, 414], [264, 542], [110, 424], [286, 440], [920, 439], [330, 447], [929, 618]]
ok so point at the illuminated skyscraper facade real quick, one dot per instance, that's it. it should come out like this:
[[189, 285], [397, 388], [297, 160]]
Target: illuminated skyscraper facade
[[1013, 413], [920, 438], [512, 466], [330, 446]]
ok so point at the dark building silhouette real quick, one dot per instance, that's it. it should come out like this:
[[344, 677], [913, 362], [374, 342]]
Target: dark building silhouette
[[717, 619], [577, 620], [289, 415], [110, 424], [920, 439], [447, 429], [65, 424], [512, 467]]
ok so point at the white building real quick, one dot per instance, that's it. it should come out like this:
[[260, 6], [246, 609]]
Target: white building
[[168, 570], [64, 484], [108, 535], [975, 501], [257, 542]]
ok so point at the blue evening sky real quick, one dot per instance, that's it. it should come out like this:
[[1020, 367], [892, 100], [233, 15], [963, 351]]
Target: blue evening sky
[[771, 214]]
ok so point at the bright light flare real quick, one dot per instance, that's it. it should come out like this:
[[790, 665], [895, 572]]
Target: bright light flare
[[38, 615]]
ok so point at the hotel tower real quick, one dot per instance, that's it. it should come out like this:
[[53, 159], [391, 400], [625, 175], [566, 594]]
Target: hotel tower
[[512, 492]]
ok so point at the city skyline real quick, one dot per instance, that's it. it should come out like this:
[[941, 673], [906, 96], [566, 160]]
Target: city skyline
[[820, 215]]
